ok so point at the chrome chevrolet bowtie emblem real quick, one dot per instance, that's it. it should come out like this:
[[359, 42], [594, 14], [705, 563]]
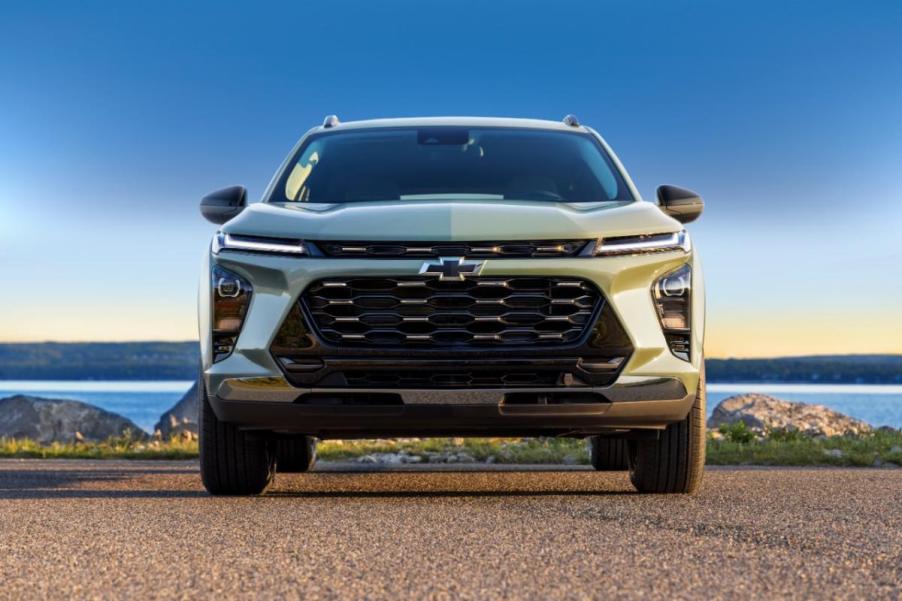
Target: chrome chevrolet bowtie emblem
[[451, 268]]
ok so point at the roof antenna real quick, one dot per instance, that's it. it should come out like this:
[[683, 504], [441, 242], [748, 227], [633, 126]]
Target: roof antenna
[[330, 121], [571, 121]]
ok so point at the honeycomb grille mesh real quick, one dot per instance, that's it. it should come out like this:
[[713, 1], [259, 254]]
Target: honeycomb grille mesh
[[480, 311]]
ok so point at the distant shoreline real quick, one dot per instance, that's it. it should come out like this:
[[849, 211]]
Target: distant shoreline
[[177, 361]]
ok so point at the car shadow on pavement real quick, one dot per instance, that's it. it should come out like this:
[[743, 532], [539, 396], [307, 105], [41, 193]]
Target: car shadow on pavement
[[97, 494], [46, 480], [424, 481], [432, 493], [94, 482]]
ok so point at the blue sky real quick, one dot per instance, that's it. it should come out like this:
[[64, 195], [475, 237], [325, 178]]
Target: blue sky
[[785, 116]]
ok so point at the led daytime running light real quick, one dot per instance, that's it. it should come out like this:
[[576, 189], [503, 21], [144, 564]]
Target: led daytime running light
[[223, 241], [630, 245]]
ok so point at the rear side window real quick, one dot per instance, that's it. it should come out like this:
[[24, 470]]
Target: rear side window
[[451, 163]]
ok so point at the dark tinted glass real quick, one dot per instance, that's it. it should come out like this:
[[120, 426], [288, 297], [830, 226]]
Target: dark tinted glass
[[451, 162]]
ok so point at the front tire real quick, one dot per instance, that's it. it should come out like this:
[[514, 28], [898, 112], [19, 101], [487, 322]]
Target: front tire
[[295, 454], [675, 462], [232, 462], [608, 454]]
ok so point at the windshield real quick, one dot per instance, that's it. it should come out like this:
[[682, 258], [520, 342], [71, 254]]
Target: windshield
[[435, 163]]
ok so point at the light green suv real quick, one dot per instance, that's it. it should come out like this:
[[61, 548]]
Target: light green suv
[[451, 276]]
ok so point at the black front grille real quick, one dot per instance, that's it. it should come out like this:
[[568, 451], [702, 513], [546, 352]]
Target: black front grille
[[471, 250], [460, 378], [480, 311]]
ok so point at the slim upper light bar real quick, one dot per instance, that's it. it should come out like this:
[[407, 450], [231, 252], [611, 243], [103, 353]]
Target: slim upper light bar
[[651, 243], [223, 241]]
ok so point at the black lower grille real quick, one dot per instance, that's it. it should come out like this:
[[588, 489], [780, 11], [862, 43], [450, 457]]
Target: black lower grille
[[429, 312], [449, 379]]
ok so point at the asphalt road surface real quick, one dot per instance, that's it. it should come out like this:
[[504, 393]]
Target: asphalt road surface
[[76, 529]]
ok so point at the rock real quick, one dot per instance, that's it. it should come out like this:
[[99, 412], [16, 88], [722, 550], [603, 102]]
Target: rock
[[895, 449], [56, 420], [761, 413], [837, 453], [390, 458], [181, 417], [449, 457], [188, 435]]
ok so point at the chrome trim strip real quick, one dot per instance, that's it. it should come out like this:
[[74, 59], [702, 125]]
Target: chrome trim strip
[[485, 248], [275, 389]]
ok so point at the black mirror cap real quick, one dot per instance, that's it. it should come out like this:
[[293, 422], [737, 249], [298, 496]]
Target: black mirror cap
[[681, 204], [222, 205]]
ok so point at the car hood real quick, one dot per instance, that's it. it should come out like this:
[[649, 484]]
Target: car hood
[[430, 220]]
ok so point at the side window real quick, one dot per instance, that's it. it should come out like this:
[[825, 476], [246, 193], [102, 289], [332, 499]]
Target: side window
[[294, 184]]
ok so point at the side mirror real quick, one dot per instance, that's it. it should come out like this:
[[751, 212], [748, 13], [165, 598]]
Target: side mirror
[[681, 204], [220, 206]]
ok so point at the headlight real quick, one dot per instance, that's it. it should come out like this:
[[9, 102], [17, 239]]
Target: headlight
[[258, 244], [231, 297], [672, 294], [649, 243]]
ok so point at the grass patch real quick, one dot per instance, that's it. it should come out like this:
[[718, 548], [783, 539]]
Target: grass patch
[[791, 448], [778, 448], [112, 448]]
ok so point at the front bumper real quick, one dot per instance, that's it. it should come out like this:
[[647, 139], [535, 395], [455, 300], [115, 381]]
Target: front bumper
[[625, 283], [273, 404]]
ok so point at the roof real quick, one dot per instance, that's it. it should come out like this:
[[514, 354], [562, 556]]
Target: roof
[[457, 121]]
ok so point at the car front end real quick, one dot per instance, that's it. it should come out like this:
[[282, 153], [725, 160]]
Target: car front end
[[439, 315]]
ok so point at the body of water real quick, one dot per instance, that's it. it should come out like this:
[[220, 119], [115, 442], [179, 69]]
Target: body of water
[[143, 402], [878, 405]]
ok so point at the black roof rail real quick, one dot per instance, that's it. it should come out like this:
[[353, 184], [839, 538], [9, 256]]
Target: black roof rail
[[330, 121]]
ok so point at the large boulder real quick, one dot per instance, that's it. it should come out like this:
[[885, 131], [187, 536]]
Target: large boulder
[[56, 420], [761, 413], [181, 417]]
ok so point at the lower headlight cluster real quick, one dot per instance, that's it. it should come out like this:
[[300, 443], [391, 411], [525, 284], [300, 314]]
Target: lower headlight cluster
[[231, 297], [672, 294]]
